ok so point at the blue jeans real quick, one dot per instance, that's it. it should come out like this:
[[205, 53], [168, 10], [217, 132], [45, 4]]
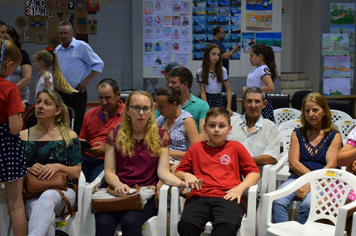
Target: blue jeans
[[91, 167], [280, 206]]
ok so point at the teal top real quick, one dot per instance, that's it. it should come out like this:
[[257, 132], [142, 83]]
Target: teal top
[[196, 107]]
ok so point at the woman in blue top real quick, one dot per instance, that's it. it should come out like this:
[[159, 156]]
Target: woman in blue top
[[50, 146], [313, 146]]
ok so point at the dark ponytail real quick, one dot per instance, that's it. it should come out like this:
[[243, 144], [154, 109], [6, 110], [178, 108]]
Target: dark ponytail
[[268, 57]]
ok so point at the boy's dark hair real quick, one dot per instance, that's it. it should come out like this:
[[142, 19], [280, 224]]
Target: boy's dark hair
[[217, 30], [108, 81], [217, 111], [173, 94], [183, 74]]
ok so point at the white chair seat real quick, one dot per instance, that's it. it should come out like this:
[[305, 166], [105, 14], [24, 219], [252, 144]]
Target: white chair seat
[[309, 228]]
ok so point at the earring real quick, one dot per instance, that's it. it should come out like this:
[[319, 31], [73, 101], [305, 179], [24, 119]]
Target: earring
[[128, 118], [149, 119]]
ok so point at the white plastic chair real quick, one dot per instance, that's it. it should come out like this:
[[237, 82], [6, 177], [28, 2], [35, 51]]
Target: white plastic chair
[[282, 115], [329, 191], [72, 225], [291, 124], [337, 115], [344, 127], [248, 223], [156, 225]]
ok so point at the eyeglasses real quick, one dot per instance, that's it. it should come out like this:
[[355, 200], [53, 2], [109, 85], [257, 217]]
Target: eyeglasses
[[137, 109]]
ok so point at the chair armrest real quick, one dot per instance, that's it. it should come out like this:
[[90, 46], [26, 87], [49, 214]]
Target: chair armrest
[[272, 176], [265, 179], [343, 214], [97, 181], [175, 211]]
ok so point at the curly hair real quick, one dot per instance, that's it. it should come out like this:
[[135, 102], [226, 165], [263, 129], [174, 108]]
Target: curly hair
[[125, 141]]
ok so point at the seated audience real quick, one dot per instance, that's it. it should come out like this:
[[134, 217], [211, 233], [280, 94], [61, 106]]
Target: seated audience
[[259, 136], [313, 146], [179, 124], [137, 152], [213, 170], [50, 146], [96, 125]]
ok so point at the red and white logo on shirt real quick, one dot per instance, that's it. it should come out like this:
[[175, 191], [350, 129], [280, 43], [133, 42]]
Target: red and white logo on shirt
[[225, 160]]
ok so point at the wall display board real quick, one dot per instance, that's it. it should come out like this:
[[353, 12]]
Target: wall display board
[[338, 50]]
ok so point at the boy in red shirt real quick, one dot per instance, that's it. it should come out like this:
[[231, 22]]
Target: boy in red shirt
[[213, 169]]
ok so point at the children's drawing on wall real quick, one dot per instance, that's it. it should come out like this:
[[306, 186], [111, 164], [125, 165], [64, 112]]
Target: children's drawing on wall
[[176, 7], [344, 29], [182, 60], [157, 20], [185, 21], [185, 34], [342, 13], [158, 8], [176, 33], [167, 33], [166, 58], [258, 20], [335, 45], [148, 60], [167, 21], [185, 6], [261, 5], [148, 8], [337, 67], [167, 46], [158, 70], [175, 20], [148, 20], [352, 56], [176, 47], [248, 40], [148, 47], [148, 33], [167, 7], [198, 3], [273, 40], [185, 47], [158, 60], [158, 47], [157, 33], [336, 86]]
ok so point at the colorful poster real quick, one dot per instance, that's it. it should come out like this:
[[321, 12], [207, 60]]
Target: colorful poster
[[336, 67], [335, 45], [344, 29], [342, 13], [258, 20], [273, 40], [182, 60], [336, 86], [148, 60], [148, 8], [259, 5], [248, 40]]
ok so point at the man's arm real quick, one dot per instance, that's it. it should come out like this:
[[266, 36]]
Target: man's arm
[[83, 85], [227, 55]]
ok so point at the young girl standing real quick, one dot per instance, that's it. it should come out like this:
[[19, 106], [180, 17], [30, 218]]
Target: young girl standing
[[264, 75], [212, 76], [43, 61], [12, 159]]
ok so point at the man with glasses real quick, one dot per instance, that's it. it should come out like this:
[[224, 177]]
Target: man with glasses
[[219, 35], [97, 123]]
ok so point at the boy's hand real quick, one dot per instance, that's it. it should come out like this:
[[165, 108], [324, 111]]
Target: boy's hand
[[234, 193], [192, 182]]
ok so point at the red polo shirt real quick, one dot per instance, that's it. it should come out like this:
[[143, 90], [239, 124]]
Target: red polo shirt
[[95, 128]]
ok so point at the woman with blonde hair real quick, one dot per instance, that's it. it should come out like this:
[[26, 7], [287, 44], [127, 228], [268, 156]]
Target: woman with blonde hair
[[313, 146], [50, 147], [137, 152]]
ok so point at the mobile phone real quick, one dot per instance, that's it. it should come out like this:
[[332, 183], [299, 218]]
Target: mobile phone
[[85, 144]]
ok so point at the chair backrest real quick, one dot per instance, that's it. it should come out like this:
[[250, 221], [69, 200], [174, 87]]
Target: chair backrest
[[291, 124], [285, 139], [233, 100], [297, 98], [125, 93], [282, 115], [344, 127], [279, 100], [337, 115]]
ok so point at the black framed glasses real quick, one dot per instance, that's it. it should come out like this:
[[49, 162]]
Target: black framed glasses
[[137, 109]]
